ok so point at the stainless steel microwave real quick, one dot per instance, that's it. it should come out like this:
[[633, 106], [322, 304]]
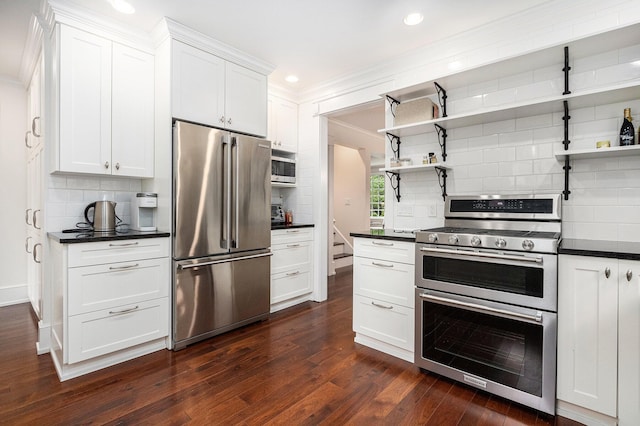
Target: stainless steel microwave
[[283, 169]]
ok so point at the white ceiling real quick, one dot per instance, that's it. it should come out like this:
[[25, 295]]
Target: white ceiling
[[317, 40]]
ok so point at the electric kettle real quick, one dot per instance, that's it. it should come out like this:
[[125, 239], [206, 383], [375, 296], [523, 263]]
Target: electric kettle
[[104, 216]]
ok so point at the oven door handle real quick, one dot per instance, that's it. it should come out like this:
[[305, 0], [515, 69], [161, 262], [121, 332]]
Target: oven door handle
[[483, 254], [484, 309]]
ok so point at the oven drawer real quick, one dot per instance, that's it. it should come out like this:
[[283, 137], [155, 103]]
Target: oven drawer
[[393, 251], [387, 322], [383, 280]]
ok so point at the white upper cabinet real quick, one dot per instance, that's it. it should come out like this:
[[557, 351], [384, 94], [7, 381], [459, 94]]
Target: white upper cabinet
[[209, 90], [283, 124], [197, 85], [132, 118], [106, 106], [85, 102]]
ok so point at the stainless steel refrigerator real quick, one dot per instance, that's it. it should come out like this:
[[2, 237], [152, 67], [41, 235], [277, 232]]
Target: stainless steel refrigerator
[[222, 231]]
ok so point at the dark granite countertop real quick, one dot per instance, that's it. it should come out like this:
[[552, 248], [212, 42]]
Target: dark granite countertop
[[596, 248], [293, 225], [386, 234], [90, 237]]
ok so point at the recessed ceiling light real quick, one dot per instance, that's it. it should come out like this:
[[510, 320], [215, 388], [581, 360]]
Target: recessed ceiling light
[[413, 18], [291, 78], [123, 6]]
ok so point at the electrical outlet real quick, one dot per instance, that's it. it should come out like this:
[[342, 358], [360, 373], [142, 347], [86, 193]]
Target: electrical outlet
[[432, 210]]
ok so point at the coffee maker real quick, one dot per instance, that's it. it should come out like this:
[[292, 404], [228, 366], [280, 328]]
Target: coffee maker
[[143, 211]]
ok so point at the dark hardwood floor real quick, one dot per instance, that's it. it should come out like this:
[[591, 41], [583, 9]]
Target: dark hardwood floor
[[299, 367]]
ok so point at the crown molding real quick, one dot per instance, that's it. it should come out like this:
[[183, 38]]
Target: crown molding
[[184, 34], [84, 19]]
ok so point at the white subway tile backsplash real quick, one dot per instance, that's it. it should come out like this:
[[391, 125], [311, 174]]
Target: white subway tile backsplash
[[497, 127], [628, 232], [594, 62], [465, 132], [522, 137], [534, 151], [500, 97], [533, 122], [604, 231], [617, 73], [629, 54], [617, 214], [511, 81], [630, 196]]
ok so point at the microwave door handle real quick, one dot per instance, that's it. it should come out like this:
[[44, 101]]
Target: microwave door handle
[[537, 319], [483, 255]]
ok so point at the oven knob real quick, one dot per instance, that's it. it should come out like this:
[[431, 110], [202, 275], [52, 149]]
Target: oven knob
[[475, 241], [501, 243], [527, 245], [453, 239], [433, 238]]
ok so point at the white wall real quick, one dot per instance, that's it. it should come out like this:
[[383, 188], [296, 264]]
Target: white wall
[[350, 191], [13, 192]]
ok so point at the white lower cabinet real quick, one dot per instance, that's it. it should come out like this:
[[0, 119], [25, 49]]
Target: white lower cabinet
[[291, 267], [598, 340], [383, 296], [111, 302]]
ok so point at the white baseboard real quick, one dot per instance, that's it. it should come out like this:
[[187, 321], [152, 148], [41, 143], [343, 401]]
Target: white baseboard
[[583, 415], [12, 295], [289, 303], [384, 347], [43, 345]]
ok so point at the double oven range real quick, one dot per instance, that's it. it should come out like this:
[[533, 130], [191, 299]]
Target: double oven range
[[486, 296]]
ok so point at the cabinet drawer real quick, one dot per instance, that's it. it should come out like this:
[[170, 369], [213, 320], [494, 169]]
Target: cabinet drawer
[[110, 330], [288, 256], [385, 281], [91, 288], [288, 285], [285, 236], [387, 322], [85, 254], [392, 251]]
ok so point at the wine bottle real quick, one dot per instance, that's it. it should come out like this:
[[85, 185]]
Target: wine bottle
[[627, 134]]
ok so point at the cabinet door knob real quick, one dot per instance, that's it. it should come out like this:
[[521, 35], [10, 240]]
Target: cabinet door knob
[[629, 275], [229, 121], [607, 272], [106, 164], [117, 166], [26, 139], [33, 127], [222, 119]]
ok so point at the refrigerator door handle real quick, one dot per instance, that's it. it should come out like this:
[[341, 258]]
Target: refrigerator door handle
[[226, 176], [227, 260], [234, 195]]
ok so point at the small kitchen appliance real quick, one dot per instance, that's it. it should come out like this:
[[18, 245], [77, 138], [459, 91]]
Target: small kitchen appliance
[[103, 217], [143, 211], [277, 214], [486, 296]]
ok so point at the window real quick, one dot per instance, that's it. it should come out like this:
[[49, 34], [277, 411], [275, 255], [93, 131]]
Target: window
[[376, 201]]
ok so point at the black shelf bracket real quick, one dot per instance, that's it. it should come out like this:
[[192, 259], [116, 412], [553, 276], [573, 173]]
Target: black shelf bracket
[[566, 143], [395, 142], [442, 181], [442, 98], [566, 71], [393, 103], [566, 119], [394, 179], [442, 140], [566, 168]]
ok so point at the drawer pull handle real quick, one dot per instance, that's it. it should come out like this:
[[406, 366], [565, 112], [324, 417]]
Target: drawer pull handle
[[292, 231], [382, 265], [124, 311], [123, 245], [117, 268], [607, 272], [629, 275], [377, 243], [293, 245], [381, 306], [293, 274]]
